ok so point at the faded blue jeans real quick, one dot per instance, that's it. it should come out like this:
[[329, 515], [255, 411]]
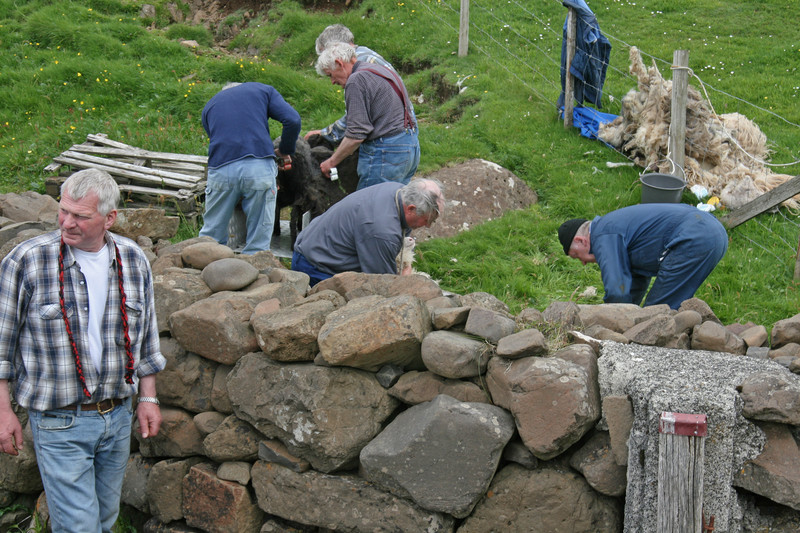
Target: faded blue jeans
[[685, 266], [82, 458], [253, 181], [388, 159]]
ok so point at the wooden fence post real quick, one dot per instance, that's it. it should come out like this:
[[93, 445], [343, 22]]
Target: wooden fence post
[[680, 472], [463, 29], [677, 128], [569, 99]]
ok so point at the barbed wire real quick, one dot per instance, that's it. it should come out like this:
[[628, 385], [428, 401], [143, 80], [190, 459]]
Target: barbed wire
[[495, 34], [554, 83]]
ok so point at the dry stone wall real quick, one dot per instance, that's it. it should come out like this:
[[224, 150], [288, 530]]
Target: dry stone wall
[[380, 403]]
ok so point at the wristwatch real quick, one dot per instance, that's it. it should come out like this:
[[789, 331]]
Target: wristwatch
[[149, 399]]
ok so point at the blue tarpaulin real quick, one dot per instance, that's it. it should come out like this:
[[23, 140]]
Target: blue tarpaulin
[[588, 120]]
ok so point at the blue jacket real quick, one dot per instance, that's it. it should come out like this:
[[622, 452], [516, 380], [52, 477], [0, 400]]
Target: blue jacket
[[592, 51], [629, 243], [237, 123]]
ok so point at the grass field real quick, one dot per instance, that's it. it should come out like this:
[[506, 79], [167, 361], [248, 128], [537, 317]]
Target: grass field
[[70, 68]]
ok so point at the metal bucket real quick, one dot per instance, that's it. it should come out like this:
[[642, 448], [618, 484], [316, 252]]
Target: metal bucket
[[661, 188]]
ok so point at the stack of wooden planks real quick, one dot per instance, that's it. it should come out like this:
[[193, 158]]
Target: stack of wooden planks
[[173, 182]]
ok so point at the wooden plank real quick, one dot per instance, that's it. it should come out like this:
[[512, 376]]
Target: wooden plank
[[187, 158], [149, 159], [680, 473], [198, 160], [129, 174], [766, 201], [143, 173], [181, 194], [677, 127], [181, 201]]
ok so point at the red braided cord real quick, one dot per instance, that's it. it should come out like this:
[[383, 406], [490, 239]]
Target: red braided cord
[[124, 313], [78, 365]]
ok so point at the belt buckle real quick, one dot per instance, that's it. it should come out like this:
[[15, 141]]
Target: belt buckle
[[106, 411]]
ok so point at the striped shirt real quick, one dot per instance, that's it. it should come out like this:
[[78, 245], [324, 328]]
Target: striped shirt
[[35, 351], [374, 109], [335, 132]]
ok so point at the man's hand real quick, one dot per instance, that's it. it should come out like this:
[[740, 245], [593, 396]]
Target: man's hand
[[10, 432], [311, 134], [326, 167], [149, 416]]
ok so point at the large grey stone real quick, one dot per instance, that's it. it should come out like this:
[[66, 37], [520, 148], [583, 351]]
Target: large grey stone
[[323, 415], [339, 502], [455, 355], [229, 274], [546, 499], [386, 331], [217, 329], [431, 438], [553, 401], [290, 334]]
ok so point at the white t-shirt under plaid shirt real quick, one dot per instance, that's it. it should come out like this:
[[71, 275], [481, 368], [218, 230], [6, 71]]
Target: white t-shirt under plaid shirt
[[35, 351]]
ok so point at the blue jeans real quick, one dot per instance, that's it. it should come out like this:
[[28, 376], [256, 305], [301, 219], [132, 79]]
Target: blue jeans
[[253, 181], [388, 159], [82, 457], [684, 268], [301, 264]]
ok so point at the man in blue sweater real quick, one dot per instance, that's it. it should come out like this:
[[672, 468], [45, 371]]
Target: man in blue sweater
[[676, 243], [242, 160]]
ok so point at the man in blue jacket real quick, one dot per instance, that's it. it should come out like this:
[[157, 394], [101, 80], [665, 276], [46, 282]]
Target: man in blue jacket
[[242, 160], [677, 243]]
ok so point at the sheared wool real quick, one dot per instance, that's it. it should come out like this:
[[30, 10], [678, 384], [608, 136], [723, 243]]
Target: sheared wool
[[724, 153]]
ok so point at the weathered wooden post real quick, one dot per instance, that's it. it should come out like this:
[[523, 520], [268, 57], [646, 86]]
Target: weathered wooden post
[[677, 126], [569, 99], [680, 472], [463, 29]]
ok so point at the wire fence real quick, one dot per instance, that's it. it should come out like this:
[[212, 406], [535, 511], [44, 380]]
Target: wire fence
[[525, 39]]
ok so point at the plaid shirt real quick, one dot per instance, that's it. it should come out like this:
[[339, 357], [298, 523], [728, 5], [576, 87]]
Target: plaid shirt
[[35, 351], [335, 132]]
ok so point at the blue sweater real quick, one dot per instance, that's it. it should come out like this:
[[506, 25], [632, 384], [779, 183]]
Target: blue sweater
[[237, 123]]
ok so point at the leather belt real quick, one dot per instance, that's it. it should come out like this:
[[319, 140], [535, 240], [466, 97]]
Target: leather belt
[[102, 407]]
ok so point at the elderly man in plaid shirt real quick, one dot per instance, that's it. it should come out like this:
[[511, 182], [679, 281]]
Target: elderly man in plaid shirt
[[78, 340]]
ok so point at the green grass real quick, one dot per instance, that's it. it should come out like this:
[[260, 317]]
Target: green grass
[[68, 69]]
